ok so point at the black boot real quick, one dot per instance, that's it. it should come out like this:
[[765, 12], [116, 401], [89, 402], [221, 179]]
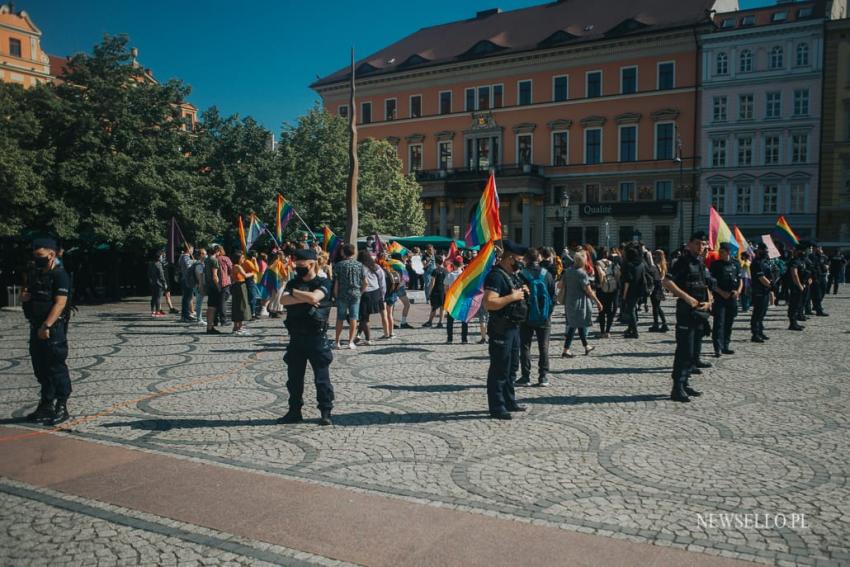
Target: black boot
[[664, 328], [691, 391], [60, 414], [326, 417], [678, 394], [292, 416], [42, 412]]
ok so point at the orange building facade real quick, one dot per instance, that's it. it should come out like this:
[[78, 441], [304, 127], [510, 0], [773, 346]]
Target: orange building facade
[[22, 60], [603, 113]]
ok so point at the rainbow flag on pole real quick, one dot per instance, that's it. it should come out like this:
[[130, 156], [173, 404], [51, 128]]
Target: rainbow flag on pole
[[743, 245], [719, 232], [396, 248], [330, 241], [784, 233], [255, 230], [484, 224], [463, 299], [273, 279], [285, 212], [240, 228]]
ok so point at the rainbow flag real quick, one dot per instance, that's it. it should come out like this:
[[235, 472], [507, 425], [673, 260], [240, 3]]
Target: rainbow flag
[[274, 278], [743, 245], [718, 232], [255, 230], [285, 212], [330, 241], [397, 265], [784, 233], [463, 300], [396, 248], [484, 223], [240, 228]]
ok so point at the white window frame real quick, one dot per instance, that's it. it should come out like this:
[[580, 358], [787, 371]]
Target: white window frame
[[363, 103], [717, 64], [764, 187], [805, 203], [808, 102], [339, 110], [620, 193], [519, 89], [421, 154], [516, 143], [601, 145], [655, 139], [752, 98], [738, 148], [778, 149], [552, 146], [493, 95], [587, 83], [725, 151], [410, 106], [440, 102], [749, 199], [386, 100], [657, 181], [770, 53], [635, 67], [805, 147], [767, 104], [556, 77], [450, 164], [658, 74], [620, 140], [724, 100], [721, 201], [797, 54], [466, 99], [749, 68]]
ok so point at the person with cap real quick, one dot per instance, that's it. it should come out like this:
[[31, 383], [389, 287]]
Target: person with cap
[[728, 285], [506, 298], [45, 304], [307, 300], [761, 286], [797, 280], [820, 263], [687, 281], [837, 266]]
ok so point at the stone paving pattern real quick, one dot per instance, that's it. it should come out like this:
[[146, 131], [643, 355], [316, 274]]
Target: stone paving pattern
[[601, 450]]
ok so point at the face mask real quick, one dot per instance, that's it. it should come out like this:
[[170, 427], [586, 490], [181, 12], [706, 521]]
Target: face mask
[[42, 262], [301, 271], [518, 265]]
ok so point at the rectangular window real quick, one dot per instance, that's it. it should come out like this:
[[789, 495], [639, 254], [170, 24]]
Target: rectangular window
[[593, 145], [718, 198], [627, 191], [483, 98], [718, 152], [628, 143], [524, 149], [446, 102], [666, 76], [497, 96], [771, 199], [415, 106], [743, 199], [524, 93], [560, 148], [342, 111], [628, 80], [594, 84], [591, 193], [801, 102], [470, 100], [745, 107], [559, 89], [748, 21], [773, 107], [366, 113], [771, 150], [798, 198], [719, 109], [663, 190], [664, 141], [390, 109], [745, 150], [415, 157], [779, 16], [444, 150], [15, 47], [799, 148]]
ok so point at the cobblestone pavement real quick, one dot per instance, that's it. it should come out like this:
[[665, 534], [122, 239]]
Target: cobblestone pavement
[[600, 451]]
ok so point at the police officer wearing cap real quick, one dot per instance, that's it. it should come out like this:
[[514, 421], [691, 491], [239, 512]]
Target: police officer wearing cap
[[307, 299], [820, 262], [760, 292], [728, 285], [506, 300], [797, 281], [686, 279], [45, 303]]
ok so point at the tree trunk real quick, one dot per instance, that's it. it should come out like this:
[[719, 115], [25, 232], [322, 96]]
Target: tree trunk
[[351, 221]]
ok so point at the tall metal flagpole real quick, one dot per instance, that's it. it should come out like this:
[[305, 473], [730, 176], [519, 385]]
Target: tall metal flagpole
[[351, 220]]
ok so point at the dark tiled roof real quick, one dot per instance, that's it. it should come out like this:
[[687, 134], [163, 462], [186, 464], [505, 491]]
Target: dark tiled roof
[[539, 27], [58, 65]]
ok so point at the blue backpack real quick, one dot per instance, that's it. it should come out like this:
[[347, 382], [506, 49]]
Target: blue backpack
[[539, 300]]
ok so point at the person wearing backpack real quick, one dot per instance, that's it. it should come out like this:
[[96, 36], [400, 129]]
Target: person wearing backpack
[[608, 280], [659, 270], [577, 303], [541, 300], [637, 283]]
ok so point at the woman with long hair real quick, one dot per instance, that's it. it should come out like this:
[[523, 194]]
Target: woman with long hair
[[240, 307], [659, 270], [607, 284], [372, 300], [577, 303]]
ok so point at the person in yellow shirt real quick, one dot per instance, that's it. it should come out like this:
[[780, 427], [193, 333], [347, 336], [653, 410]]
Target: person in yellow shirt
[[252, 269]]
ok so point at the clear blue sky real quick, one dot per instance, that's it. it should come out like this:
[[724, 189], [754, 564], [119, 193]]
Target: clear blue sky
[[247, 57]]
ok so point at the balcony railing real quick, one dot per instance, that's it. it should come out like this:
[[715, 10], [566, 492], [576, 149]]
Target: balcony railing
[[460, 173]]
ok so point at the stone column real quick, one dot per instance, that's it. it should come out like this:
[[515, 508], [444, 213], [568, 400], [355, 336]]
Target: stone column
[[444, 224], [526, 220]]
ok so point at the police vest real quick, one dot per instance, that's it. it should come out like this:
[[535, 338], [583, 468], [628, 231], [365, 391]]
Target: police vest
[[726, 274], [40, 286], [305, 319]]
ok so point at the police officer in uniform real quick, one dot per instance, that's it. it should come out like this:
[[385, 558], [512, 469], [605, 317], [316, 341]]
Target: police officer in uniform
[[728, 285], [808, 281], [796, 283], [506, 300], [45, 303], [760, 291], [820, 262], [307, 299], [686, 279]]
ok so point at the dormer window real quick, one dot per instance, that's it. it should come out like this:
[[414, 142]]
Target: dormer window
[[481, 49], [748, 21], [728, 23], [779, 16]]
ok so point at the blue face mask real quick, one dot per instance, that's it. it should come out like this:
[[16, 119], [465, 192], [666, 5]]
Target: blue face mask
[[42, 262]]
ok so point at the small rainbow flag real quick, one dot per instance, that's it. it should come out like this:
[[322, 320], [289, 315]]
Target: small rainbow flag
[[255, 230], [273, 279], [743, 245], [330, 241], [463, 300], [784, 233], [285, 212], [397, 265], [718, 232], [396, 248], [484, 223], [240, 228]]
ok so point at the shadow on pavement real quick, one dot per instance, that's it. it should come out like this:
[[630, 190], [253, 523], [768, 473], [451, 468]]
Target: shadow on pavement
[[580, 400], [428, 387], [391, 350], [169, 424], [612, 370]]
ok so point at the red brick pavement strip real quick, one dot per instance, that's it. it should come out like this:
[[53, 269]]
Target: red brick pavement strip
[[332, 522]]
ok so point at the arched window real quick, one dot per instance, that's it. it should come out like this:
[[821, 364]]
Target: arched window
[[721, 64], [746, 61], [802, 54], [776, 58]]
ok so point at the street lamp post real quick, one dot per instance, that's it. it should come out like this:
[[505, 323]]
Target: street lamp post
[[565, 209], [681, 163]]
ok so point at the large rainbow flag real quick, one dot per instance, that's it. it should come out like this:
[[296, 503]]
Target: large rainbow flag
[[719, 232], [743, 245], [784, 233], [273, 279], [396, 248], [463, 300], [330, 241], [255, 229], [484, 223], [285, 212], [240, 228]]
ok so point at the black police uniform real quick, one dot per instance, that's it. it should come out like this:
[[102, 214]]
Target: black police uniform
[[503, 330], [809, 271], [760, 295], [837, 265], [819, 283], [689, 275], [49, 356], [795, 294], [727, 277], [307, 326]]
